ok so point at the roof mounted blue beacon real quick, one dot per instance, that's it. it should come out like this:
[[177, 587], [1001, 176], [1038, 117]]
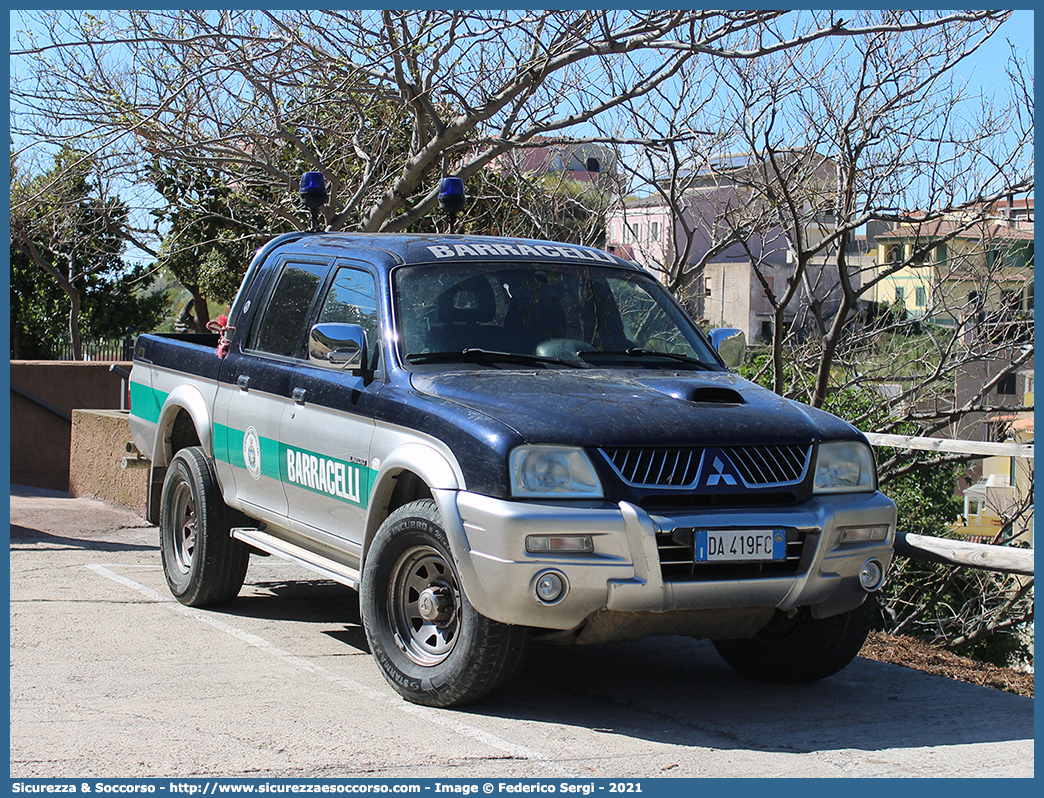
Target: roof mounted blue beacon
[[451, 198], [314, 194]]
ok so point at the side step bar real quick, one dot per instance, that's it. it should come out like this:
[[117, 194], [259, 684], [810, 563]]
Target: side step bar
[[303, 557]]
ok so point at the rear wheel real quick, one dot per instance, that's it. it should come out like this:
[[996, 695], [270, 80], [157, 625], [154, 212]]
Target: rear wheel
[[204, 565], [800, 648], [432, 646]]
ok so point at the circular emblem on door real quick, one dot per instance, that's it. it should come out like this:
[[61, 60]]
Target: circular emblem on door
[[252, 452]]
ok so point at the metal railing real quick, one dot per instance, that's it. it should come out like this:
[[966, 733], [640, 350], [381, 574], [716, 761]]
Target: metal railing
[[98, 349], [41, 404]]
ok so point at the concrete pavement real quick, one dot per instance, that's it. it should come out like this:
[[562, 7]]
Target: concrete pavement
[[112, 678]]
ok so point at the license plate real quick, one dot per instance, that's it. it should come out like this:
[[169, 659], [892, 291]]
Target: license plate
[[740, 545]]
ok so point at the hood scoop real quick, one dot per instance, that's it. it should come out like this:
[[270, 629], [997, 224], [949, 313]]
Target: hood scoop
[[715, 395], [701, 392]]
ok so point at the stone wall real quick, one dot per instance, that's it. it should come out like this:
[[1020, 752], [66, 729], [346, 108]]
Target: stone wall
[[41, 438], [103, 464]]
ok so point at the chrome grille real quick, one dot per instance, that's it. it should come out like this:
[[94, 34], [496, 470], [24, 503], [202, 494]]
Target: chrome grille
[[674, 467], [679, 467], [770, 465]]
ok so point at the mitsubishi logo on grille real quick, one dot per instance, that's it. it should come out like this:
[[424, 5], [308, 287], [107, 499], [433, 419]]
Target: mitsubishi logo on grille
[[718, 469]]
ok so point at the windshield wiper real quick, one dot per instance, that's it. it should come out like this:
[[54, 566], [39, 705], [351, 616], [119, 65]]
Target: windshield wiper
[[473, 354], [636, 352]]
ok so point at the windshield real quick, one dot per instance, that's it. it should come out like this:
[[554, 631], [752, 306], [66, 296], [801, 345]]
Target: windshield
[[568, 314]]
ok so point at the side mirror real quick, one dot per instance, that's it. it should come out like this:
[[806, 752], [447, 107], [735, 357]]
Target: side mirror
[[731, 345], [337, 346]]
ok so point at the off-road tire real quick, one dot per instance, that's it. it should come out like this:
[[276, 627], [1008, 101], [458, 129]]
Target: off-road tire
[[452, 656], [204, 565], [802, 648]]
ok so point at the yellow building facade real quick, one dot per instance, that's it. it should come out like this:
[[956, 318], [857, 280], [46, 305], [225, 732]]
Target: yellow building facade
[[943, 274]]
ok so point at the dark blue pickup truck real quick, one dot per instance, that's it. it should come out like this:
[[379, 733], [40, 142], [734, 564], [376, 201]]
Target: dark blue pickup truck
[[499, 440]]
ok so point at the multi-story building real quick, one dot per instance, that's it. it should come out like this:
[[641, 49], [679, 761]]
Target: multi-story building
[[722, 247], [1002, 497], [955, 272], [974, 273], [580, 162]]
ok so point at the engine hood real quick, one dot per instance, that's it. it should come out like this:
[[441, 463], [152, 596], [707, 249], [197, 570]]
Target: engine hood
[[613, 407]]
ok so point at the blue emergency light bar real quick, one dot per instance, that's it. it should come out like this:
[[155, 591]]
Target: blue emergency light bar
[[313, 190], [451, 195]]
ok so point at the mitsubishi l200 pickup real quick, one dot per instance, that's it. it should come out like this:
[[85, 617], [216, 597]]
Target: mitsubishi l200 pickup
[[497, 441]]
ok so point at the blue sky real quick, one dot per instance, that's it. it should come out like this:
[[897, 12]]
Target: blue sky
[[988, 69], [984, 72]]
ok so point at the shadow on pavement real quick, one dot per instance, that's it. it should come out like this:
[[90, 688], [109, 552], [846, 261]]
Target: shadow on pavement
[[678, 691], [25, 537]]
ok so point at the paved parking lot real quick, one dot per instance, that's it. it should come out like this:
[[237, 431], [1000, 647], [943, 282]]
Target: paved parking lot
[[112, 678]]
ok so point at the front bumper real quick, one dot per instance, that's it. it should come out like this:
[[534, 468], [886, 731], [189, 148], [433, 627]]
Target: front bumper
[[623, 576]]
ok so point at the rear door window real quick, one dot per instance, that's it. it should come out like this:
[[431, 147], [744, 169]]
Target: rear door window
[[282, 328]]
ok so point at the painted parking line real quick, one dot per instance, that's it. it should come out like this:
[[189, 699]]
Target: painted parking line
[[428, 714]]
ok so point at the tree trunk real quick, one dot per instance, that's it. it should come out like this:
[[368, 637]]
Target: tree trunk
[[16, 330], [74, 320], [71, 291], [199, 304]]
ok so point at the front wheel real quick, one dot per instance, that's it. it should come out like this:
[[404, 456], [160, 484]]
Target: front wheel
[[204, 565], [432, 646], [800, 648]]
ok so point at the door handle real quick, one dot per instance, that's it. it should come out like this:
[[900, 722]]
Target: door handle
[[243, 381], [299, 395]]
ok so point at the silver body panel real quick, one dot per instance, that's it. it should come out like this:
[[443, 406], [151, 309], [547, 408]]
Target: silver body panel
[[620, 579]]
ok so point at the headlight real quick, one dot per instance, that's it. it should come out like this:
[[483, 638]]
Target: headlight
[[559, 472], [845, 467]]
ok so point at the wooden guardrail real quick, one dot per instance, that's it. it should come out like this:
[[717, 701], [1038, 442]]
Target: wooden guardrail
[[1004, 559], [980, 448]]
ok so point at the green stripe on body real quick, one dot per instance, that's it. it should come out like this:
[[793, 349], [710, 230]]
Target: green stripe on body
[[316, 472], [146, 402]]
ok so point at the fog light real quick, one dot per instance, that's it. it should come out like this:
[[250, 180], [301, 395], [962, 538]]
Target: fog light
[[550, 587], [871, 575], [863, 534], [569, 544]]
